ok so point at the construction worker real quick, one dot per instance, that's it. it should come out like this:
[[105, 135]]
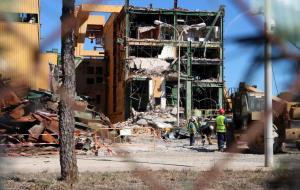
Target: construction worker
[[221, 122], [205, 130], [192, 130]]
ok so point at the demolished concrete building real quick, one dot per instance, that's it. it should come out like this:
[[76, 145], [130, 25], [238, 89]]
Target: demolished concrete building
[[91, 64], [143, 60]]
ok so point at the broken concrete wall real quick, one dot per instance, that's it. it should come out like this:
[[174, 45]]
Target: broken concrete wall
[[115, 82], [91, 81], [149, 51], [148, 65], [159, 92]]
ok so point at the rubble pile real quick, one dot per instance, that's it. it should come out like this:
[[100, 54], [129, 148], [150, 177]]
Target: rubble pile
[[154, 118], [33, 119], [164, 122]]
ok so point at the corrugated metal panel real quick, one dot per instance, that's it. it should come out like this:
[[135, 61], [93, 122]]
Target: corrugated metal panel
[[17, 55], [20, 6]]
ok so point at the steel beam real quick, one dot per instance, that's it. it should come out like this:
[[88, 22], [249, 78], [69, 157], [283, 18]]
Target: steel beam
[[171, 12], [214, 22], [221, 94], [141, 42]]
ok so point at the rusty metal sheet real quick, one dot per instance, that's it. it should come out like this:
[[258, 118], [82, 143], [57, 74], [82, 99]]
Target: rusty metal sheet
[[37, 117], [36, 130], [46, 114], [8, 98], [18, 112], [52, 126], [47, 137], [25, 119]]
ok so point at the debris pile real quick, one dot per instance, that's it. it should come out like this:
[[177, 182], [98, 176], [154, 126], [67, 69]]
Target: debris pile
[[163, 122], [33, 119], [148, 66]]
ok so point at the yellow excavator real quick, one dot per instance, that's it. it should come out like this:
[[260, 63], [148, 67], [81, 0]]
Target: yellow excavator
[[247, 105]]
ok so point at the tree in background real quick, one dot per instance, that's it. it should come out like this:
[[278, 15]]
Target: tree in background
[[68, 163]]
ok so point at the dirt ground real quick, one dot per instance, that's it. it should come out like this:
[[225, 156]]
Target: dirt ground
[[184, 179], [172, 163], [167, 155]]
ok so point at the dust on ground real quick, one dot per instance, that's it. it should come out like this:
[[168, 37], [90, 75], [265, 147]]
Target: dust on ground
[[167, 155]]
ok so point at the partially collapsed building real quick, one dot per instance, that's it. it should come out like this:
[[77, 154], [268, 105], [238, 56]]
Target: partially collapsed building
[[134, 61], [143, 59]]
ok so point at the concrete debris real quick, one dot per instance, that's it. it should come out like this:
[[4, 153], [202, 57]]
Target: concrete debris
[[174, 111], [148, 32], [142, 122], [168, 52], [145, 29], [163, 122], [36, 130], [161, 125], [148, 65], [33, 119]]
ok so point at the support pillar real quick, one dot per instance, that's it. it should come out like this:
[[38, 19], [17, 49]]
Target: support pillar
[[189, 88], [150, 92], [163, 99], [126, 37], [125, 72]]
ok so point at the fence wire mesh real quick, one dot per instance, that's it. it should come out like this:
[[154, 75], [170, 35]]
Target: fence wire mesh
[[254, 131]]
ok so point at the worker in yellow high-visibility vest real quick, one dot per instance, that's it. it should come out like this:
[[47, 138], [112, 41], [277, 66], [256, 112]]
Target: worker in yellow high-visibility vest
[[221, 122], [192, 130]]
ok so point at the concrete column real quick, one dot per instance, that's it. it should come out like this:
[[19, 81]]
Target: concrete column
[[150, 90], [189, 86], [163, 98]]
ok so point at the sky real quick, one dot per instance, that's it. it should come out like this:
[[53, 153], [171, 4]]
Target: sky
[[238, 58]]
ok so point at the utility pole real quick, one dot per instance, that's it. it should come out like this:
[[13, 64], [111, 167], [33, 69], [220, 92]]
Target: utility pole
[[268, 88]]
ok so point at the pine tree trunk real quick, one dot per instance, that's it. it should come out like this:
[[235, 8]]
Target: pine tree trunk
[[68, 163]]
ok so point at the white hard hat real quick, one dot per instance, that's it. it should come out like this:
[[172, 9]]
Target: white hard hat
[[194, 118]]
